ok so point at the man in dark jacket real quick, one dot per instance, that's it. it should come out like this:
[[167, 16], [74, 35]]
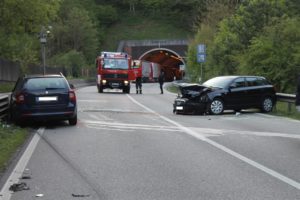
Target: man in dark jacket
[[298, 94], [161, 80], [138, 79]]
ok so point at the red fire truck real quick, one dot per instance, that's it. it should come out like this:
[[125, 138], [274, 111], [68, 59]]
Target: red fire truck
[[114, 70]]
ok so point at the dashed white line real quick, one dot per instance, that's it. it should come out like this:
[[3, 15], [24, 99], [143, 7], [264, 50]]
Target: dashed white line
[[201, 137]]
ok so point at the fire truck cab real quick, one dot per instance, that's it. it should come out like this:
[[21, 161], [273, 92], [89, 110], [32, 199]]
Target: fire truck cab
[[114, 70]]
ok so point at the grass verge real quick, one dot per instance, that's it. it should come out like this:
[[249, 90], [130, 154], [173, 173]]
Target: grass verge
[[281, 109], [11, 138], [6, 87]]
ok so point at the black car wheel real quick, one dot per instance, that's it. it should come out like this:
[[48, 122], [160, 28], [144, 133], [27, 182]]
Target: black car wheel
[[73, 121], [267, 105], [216, 107]]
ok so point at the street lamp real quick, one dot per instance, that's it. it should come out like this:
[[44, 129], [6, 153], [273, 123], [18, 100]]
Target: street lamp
[[43, 40]]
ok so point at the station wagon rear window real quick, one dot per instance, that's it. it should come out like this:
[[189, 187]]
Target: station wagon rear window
[[45, 83]]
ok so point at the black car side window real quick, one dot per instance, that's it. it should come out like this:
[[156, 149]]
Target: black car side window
[[261, 81], [238, 83], [252, 81]]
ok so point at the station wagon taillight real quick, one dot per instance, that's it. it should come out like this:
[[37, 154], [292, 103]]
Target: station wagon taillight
[[72, 96], [20, 98]]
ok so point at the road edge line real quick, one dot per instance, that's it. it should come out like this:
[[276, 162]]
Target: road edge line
[[5, 193]]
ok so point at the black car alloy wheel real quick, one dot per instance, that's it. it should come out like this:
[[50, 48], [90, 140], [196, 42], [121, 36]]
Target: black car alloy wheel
[[267, 104], [216, 107]]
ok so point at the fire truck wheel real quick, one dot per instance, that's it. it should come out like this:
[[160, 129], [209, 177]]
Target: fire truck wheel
[[126, 90], [100, 89]]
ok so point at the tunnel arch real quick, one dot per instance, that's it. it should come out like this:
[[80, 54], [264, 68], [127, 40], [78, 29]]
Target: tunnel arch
[[168, 59]]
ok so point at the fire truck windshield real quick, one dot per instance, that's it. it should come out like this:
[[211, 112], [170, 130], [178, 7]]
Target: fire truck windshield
[[113, 63]]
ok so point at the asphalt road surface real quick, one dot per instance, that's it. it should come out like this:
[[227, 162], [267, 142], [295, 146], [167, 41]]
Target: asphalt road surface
[[132, 147]]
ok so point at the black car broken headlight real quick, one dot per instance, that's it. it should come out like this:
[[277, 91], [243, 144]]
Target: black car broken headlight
[[179, 102], [204, 98]]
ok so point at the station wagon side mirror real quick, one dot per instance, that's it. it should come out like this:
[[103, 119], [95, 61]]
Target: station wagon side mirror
[[72, 86]]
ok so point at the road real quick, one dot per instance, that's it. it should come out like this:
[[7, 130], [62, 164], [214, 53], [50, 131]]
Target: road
[[132, 147]]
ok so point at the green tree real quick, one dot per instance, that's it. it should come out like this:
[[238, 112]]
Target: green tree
[[20, 23], [275, 54], [215, 11], [76, 32], [235, 34], [73, 61]]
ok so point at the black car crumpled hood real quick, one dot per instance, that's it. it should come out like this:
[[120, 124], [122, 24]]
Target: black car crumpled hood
[[188, 90]]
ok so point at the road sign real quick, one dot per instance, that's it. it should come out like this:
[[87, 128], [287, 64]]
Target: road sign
[[201, 49], [201, 53], [201, 58]]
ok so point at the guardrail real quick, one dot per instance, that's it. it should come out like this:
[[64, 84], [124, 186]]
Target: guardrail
[[4, 105], [288, 98]]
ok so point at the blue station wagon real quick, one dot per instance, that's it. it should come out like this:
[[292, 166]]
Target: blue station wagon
[[42, 98]]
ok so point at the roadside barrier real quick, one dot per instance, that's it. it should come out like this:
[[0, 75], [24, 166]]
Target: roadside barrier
[[290, 99], [4, 105]]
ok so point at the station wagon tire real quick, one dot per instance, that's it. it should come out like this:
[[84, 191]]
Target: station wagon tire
[[73, 121], [216, 107], [267, 105]]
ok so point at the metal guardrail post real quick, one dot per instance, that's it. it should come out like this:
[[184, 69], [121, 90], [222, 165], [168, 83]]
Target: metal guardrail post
[[288, 98]]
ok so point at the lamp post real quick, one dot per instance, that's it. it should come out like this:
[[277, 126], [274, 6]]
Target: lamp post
[[43, 41]]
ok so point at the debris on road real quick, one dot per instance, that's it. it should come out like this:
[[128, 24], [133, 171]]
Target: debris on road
[[26, 177], [39, 195], [237, 113], [80, 195], [19, 187]]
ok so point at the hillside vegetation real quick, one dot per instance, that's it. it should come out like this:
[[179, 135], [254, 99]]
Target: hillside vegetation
[[139, 27], [259, 37], [255, 37]]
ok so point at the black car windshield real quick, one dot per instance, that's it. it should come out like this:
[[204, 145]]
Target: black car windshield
[[45, 83], [115, 63], [218, 82]]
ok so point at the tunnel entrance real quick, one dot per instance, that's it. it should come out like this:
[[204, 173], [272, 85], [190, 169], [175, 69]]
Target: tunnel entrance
[[166, 59]]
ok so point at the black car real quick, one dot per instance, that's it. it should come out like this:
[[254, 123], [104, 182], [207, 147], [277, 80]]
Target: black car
[[42, 98], [225, 93]]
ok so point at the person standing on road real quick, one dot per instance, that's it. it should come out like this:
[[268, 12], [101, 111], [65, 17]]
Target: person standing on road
[[298, 94], [161, 80], [138, 78]]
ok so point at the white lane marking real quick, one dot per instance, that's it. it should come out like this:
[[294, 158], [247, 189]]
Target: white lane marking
[[91, 101], [97, 117], [199, 136], [219, 132], [94, 117], [122, 126], [20, 167]]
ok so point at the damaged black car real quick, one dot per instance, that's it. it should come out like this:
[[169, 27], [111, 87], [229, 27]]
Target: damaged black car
[[225, 93]]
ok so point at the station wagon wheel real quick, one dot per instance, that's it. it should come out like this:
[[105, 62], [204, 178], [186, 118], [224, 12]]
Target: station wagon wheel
[[216, 107], [267, 104], [73, 120]]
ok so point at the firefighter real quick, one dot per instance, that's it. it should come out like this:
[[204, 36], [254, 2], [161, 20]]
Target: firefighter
[[161, 80], [138, 79]]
